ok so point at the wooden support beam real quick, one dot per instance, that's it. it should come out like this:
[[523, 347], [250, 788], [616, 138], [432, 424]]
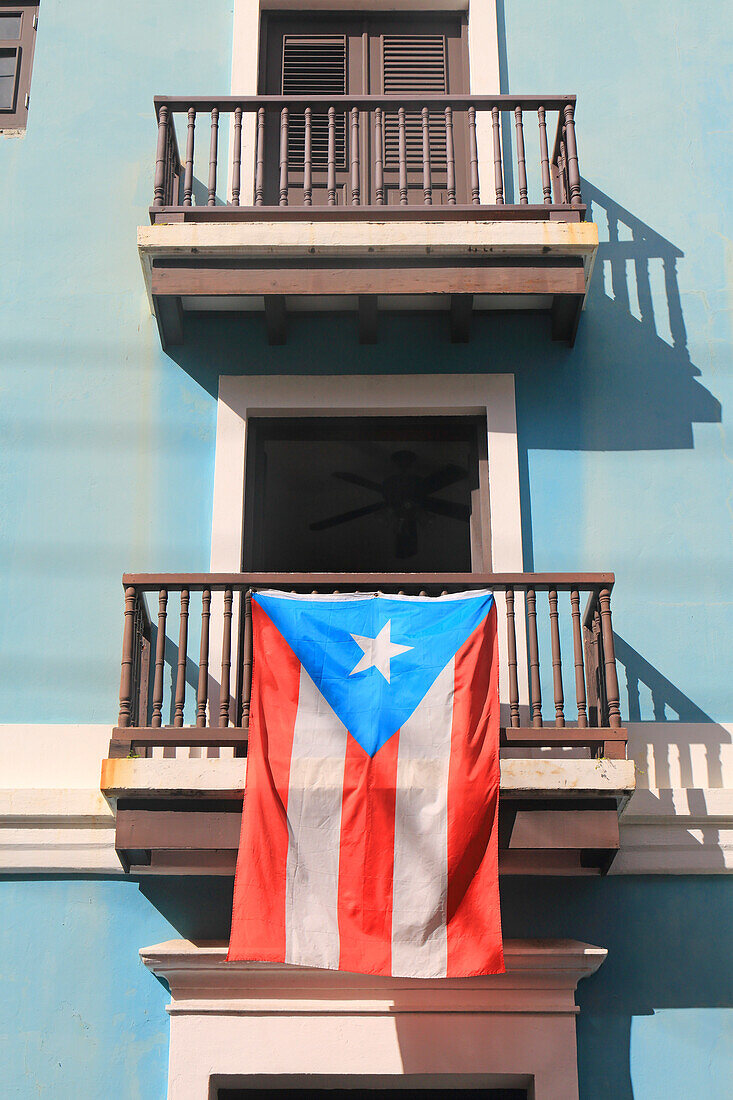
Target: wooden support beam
[[563, 277], [566, 310], [169, 317], [368, 318], [565, 829], [176, 830], [275, 318], [461, 311]]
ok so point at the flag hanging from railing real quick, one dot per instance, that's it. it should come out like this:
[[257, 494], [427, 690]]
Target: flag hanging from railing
[[369, 832]]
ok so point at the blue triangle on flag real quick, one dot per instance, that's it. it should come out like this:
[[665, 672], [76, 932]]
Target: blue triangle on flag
[[374, 658]]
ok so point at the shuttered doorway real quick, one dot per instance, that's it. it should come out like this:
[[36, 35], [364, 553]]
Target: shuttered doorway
[[353, 55]]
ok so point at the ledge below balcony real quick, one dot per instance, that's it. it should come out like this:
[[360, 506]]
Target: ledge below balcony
[[183, 816], [276, 267]]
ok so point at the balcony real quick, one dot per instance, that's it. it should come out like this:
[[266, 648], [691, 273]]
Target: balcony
[[367, 204], [176, 766]]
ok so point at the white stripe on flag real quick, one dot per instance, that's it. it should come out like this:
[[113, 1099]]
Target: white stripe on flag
[[419, 931], [315, 797]]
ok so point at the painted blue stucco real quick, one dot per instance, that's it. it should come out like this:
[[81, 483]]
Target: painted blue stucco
[[107, 456], [80, 1016]]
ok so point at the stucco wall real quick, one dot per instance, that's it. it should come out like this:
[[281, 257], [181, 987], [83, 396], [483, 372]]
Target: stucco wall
[[108, 454], [81, 1017]]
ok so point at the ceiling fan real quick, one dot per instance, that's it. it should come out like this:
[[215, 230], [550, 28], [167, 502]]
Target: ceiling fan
[[405, 494]]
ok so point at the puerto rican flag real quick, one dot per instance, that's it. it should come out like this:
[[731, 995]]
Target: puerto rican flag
[[369, 832]]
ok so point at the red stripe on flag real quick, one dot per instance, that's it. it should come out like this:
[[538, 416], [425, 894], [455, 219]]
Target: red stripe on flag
[[367, 858], [258, 921], [474, 918]]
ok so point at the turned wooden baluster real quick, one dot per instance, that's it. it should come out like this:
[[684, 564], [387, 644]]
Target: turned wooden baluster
[[283, 200], [247, 659], [473, 156], [556, 659], [544, 158], [213, 155], [202, 693], [511, 646], [450, 158], [308, 160], [237, 156], [378, 156], [188, 174], [534, 658], [609, 659], [180, 700], [521, 162], [427, 182], [160, 157], [157, 719], [571, 150], [562, 171], [260, 161], [331, 177], [355, 181], [498, 166], [128, 645], [578, 659], [402, 155], [226, 659]]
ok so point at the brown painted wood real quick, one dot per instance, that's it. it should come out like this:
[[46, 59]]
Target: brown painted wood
[[207, 278], [415, 102], [578, 658], [203, 683], [540, 582], [246, 659], [609, 659], [169, 318], [461, 312], [188, 176], [558, 829], [511, 639], [450, 158], [368, 313], [556, 659], [521, 156], [534, 659], [474, 183], [125, 714], [237, 156], [260, 159], [379, 196], [159, 659], [498, 165], [556, 736], [566, 309], [213, 156], [226, 658], [177, 830], [275, 319], [180, 736], [521, 862], [457, 212], [180, 699]]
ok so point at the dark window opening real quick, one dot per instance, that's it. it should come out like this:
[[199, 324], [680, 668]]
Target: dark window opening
[[17, 35], [371, 1094], [367, 494]]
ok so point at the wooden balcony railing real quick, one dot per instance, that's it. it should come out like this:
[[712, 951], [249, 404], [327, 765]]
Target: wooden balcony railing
[[332, 156], [219, 718]]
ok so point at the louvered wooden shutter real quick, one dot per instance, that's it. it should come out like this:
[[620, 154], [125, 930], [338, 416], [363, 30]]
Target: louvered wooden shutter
[[412, 64], [314, 65]]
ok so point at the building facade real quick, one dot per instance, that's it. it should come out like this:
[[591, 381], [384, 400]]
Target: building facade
[[409, 296]]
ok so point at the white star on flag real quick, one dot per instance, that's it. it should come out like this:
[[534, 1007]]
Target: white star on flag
[[377, 652]]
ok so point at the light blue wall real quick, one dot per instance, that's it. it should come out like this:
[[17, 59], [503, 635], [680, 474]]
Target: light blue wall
[[108, 443], [107, 455], [81, 1018]]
